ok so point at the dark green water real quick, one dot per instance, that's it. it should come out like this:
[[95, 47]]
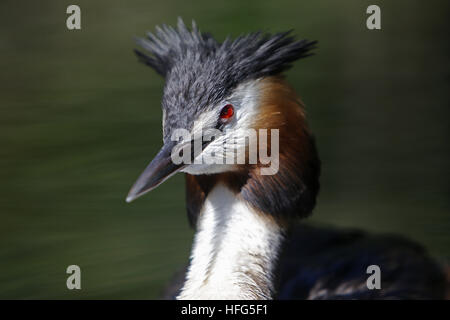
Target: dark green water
[[80, 119]]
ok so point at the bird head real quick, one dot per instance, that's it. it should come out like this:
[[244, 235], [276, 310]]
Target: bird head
[[215, 94]]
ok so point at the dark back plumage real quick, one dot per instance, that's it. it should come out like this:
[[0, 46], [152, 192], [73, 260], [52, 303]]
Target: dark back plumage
[[200, 72], [323, 263]]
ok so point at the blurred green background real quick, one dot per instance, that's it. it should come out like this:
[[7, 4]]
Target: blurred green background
[[80, 119]]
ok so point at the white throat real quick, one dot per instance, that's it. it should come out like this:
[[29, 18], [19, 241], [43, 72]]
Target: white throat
[[234, 252]]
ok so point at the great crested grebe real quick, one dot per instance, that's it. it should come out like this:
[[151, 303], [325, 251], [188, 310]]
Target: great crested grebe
[[247, 244]]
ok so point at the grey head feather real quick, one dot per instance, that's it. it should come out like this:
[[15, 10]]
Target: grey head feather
[[201, 72]]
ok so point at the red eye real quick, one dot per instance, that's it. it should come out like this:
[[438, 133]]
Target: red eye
[[227, 112]]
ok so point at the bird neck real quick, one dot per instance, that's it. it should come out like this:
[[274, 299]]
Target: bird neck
[[240, 215], [234, 252]]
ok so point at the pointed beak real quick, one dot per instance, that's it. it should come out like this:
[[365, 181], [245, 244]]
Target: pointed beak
[[159, 170]]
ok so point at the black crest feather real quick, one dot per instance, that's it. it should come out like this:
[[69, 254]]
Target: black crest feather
[[252, 55]]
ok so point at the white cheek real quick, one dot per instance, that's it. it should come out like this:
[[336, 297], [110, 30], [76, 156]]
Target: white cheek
[[235, 133], [249, 95]]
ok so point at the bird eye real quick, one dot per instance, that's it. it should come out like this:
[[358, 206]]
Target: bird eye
[[227, 112]]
